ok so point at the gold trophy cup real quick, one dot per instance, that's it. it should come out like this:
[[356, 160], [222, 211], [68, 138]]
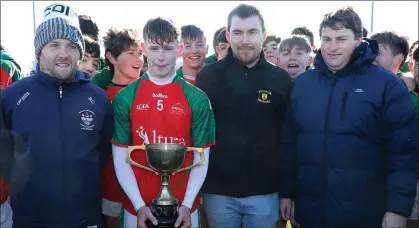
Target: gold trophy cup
[[165, 160]]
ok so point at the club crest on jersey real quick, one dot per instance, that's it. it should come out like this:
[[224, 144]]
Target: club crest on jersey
[[177, 109], [264, 96], [157, 138], [87, 118]]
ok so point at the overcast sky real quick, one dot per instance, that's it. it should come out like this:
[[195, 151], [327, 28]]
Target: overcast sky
[[17, 26]]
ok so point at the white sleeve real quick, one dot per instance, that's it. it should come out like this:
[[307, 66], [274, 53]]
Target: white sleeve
[[126, 176], [196, 179]]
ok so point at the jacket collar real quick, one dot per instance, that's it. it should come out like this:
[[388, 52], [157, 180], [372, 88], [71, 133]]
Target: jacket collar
[[362, 57], [80, 77]]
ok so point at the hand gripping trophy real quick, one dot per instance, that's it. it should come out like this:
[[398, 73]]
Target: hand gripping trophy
[[165, 159]]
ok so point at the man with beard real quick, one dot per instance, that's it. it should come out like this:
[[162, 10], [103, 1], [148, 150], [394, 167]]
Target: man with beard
[[55, 132], [249, 97], [161, 107], [351, 146], [193, 53]]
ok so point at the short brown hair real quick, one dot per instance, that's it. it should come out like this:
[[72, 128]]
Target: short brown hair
[[270, 38], [414, 51], [397, 44], [300, 41], [116, 41], [343, 18], [191, 32], [305, 32], [88, 27], [244, 11], [92, 47], [160, 31], [215, 39]]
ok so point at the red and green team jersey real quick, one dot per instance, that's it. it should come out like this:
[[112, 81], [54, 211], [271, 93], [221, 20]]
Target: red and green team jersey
[[110, 185], [9, 73], [111, 189], [180, 73], [174, 113], [113, 89], [103, 78]]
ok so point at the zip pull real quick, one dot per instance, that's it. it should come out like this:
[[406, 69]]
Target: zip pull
[[334, 79], [61, 91], [343, 107]]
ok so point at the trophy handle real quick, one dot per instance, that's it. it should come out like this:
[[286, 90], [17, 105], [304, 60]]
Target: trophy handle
[[201, 160], [132, 162]]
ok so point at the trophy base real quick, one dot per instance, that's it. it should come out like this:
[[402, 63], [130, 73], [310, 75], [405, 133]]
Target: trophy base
[[166, 216]]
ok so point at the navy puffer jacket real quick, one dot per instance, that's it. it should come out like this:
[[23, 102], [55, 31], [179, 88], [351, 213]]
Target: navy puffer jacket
[[350, 145]]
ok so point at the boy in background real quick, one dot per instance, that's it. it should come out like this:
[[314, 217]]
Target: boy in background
[[393, 52], [270, 49], [295, 55], [91, 58], [124, 57]]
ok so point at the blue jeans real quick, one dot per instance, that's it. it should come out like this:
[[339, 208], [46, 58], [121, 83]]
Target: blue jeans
[[261, 211]]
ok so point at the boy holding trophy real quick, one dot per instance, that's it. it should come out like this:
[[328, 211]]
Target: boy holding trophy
[[161, 109]]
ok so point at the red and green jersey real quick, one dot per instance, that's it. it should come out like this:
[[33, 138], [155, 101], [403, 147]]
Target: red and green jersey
[[187, 78], [9, 71], [103, 79], [173, 113], [405, 67], [111, 189]]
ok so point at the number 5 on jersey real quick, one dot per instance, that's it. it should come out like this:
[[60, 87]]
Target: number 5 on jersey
[[160, 105]]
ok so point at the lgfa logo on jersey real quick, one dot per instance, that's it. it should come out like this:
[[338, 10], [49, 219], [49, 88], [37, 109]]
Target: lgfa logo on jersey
[[143, 107], [87, 118], [157, 138]]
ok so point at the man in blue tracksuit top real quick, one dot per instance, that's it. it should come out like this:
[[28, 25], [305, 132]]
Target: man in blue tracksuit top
[[55, 133], [351, 137]]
